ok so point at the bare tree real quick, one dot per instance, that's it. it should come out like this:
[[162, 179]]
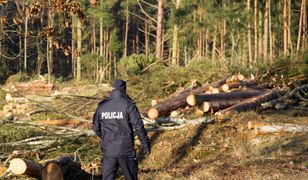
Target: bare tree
[[159, 29]]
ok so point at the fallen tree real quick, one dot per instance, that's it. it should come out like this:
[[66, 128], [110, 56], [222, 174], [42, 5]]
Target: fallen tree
[[25, 167], [63, 168], [198, 99], [252, 102], [274, 128], [217, 105], [288, 95], [232, 85]]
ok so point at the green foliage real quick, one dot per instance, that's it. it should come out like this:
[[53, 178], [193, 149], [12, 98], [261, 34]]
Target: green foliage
[[103, 12], [115, 44], [11, 133], [135, 63], [89, 64]]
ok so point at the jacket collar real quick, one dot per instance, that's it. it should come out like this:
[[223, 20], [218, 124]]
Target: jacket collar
[[116, 94]]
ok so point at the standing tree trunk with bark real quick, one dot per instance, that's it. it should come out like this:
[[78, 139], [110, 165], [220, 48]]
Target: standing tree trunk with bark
[[249, 36], [79, 39], [49, 42], [126, 30], [146, 37], [265, 39], [300, 26], [25, 37], [175, 38], [1, 36], [285, 32], [270, 31], [73, 44], [305, 31], [256, 31], [159, 29]]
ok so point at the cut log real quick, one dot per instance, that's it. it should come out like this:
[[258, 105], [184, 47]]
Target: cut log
[[215, 91], [218, 105], [65, 168], [252, 102], [198, 99], [179, 101], [179, 112], [237, 84], [225, 88], [25, 167], [240, 77], [271, 128]]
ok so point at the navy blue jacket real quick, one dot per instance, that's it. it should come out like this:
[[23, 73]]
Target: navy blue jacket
[[114, 121]]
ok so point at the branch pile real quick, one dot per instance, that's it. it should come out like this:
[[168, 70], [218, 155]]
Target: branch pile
[[223, 97]]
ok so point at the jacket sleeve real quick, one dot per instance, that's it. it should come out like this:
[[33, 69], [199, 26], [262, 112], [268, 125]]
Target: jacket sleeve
[[97, 124], [138, 126]]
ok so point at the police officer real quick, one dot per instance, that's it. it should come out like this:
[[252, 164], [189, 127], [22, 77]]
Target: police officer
[[114, 121]]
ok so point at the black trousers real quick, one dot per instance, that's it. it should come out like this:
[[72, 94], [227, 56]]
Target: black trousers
[[110, 166]]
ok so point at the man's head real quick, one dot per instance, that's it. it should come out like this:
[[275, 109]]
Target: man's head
[[119, 85]]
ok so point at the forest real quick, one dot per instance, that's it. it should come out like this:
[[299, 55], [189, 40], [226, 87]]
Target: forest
[[221, 85], [90, 39]]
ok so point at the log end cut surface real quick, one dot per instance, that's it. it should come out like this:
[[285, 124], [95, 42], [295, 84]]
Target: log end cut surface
[[18, 166], [191, 100], [153, 113], [206, 106], [52, 171]]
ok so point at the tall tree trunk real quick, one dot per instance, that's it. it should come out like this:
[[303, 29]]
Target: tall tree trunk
[[265, 39], [249, 36], [221, 44], [260, 36], [1, 38], [285, 33], [300, 26], [73, 44], [159, 29], [146, 37], [25, 38], [270, 31], [137, 38], [39, 54], [206, 43], [79, 39], [305, 31], [175, 37], [214, 45], [256, 30], [94, 36], [126, 30], [49, 42], [290, 44]]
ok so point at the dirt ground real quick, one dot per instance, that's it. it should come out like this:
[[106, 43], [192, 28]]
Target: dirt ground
[[230, 151]]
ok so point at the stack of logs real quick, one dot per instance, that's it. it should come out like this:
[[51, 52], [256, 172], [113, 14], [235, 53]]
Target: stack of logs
[[224, 97], [36, 87]]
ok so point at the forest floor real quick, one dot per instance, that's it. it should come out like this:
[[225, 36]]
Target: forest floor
[[219, 150], [225, 150]]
